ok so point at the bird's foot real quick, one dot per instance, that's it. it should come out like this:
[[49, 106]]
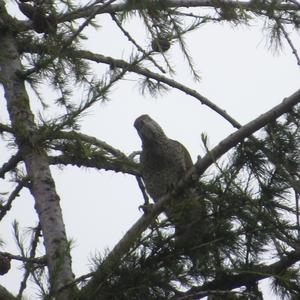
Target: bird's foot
[[146, 207]]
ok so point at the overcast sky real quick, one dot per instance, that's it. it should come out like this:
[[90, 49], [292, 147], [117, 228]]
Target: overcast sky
[[239, 73]]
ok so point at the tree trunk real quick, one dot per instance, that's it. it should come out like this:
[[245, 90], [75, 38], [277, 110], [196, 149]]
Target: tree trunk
[[42, 186]]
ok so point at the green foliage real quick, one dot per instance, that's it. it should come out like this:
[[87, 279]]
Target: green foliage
[[287, 284], [148, 272], [153, 88]]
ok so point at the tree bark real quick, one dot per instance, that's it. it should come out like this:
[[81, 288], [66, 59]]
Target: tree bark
[[42, 186]]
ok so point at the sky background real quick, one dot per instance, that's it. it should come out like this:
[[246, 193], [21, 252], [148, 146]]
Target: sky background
[[238, 73]]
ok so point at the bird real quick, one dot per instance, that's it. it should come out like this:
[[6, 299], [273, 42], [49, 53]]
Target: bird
[[163, 163]]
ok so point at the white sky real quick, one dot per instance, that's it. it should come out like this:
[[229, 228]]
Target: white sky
[[238, 73]]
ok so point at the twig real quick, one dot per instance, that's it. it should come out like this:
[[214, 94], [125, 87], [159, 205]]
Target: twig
[[77, 280], [130, 38], [143, 190], [88, 20], [28, 265], [287, 37]]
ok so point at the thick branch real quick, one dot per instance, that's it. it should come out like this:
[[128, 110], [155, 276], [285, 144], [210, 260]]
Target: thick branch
[[229, 282], [115, 256], [119, 7]]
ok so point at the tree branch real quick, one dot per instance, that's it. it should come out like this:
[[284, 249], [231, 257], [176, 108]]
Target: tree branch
[[5, 208], [135, 68], [124, 6], [28, 266], [229, 282], [31, 260], [5, 128], [289, 41], [73, 135], [96, 162], [116, 161], [11, 164], [160, 78]]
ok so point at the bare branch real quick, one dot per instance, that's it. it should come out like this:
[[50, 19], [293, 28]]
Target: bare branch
[[143, 189], [78, 280], [287, 37]]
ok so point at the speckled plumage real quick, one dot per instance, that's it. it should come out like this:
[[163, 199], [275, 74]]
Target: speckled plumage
[[164, 162]]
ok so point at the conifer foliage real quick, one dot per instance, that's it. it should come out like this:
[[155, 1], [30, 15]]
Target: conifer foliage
[[249, 223]]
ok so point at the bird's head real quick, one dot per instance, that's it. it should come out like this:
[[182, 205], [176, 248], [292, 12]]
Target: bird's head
[[148, 129]]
